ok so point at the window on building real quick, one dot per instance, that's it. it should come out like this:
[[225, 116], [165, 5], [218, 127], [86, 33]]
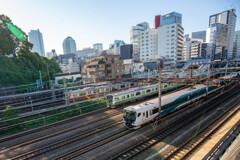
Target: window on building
[[117, 64], [173, 35], [172, 51], [173, 26], [172, 55], [173, 30], [172, 39], [100, 73], [117, 70], [172, 47]]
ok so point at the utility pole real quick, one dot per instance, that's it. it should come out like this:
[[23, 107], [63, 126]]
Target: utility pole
[[40, 78], [159, 91], [48, 74]]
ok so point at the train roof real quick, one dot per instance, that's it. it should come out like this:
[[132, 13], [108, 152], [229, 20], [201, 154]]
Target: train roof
[[133, 90], [99, 87], [165, 99]]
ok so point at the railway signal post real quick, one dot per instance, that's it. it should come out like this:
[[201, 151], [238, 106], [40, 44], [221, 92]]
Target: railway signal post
[[159, 91]]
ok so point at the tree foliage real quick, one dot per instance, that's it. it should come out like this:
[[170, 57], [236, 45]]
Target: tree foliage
[[24, 66]]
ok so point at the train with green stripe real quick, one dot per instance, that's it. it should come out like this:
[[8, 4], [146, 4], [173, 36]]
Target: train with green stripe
[[137, 115], [120, 98]]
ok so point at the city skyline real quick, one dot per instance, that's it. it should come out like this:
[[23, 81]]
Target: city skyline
[[102, 22]]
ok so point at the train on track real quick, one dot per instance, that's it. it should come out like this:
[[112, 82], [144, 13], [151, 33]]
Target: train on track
[[92, 92], [120, 98], [138, 115]]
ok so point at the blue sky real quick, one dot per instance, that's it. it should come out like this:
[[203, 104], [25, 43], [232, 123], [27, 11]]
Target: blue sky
[[103, 21]]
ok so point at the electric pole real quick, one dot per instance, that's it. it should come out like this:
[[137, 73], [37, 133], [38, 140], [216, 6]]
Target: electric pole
[[159, 91]]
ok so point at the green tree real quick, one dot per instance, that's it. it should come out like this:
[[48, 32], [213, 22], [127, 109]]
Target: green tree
[[11, 113]]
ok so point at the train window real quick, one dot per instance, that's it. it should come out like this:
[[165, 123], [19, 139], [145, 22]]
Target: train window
[[156, 88], [127, 96], [165, 86], [123, 97], [132, 84], [147, 114], [132, 94], [117, 99], [144, 114], [138, 93], [107, 89], [155, 111], [148, 90], [139, 114], [122, 86]]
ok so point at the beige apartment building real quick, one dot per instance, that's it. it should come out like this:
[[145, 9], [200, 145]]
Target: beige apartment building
[[104, 66]]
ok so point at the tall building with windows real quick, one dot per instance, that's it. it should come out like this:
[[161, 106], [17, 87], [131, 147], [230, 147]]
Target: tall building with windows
[[126, 51], [198, 35], [116, 46], [170, 39], [134, 37], [227, 18], [157, 21], [99, 47], [69, 45], [35, 37], [148, 44], [236, 46]]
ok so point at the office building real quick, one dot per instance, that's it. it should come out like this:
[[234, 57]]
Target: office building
[[134, 38], [126, 51], [99, 47], [87, 53], [69, 45], [227, 18], [236, 46], [36, 38], [116, 46], [170, 39], [148, 44], [197, 35]]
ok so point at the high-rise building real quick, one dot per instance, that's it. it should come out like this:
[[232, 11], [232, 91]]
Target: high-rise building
[[217, 35], [148, 44], [197, 35], [157, 21], [134, 37], [126, 51], [227, 18], [116, 46], [171, 18], [99, 47], [170, 39], [236, 46], [35, 37], [69, 45]]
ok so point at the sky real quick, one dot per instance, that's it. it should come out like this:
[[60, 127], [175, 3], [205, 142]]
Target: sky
[[103, 21]]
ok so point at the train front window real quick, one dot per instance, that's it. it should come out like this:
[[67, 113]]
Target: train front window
[[109, 98]]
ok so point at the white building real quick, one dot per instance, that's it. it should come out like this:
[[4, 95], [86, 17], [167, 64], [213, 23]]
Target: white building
[[148, 44], [236, 46], [69, 45], [170, 43], [132, 67], [227, 18], [134, 38], [99, 47], [35, 37]]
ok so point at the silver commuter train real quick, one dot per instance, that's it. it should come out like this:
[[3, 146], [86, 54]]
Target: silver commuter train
[[138, 115]]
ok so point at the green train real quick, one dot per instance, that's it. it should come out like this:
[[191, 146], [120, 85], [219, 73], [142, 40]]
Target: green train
[[120, 98]]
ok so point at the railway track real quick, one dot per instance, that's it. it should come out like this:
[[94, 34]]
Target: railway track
[[163, 133], [67, 141], [79, 151], [188, 147], [72, 119]]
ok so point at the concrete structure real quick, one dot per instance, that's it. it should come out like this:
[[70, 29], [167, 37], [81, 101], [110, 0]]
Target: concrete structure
[[73, 66], [134, 38], [99, 47], [35, 37], [72, 75], [104, 66], [170, 44], [132, 67], [126, 51], [236, 46], [154, 64], [187, 50], [227, 18], [148, 44], [87, 53], [51, 54], [69, 45]]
